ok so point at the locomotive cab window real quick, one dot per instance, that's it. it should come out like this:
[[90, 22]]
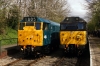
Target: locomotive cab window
[[73, 26], [37, 26], [81, 26], [21, 25], [29, 23], [45, 26]]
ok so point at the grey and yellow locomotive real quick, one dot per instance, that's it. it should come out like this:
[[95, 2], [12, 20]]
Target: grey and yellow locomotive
[[73, 34]]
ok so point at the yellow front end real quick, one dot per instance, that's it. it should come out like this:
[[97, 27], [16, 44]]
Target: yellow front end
[[73, 37], [30, 36]]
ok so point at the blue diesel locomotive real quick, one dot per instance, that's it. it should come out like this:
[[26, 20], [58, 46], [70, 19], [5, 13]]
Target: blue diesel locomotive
[[38, 35]]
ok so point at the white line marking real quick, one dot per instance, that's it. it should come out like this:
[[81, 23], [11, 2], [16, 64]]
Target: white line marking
[[91, 55]]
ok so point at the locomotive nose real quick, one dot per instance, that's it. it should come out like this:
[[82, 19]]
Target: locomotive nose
[[30, 38]]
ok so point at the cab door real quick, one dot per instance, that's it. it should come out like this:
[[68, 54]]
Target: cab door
[[47, 33]]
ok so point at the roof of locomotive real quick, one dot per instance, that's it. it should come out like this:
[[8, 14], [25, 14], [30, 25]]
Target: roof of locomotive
[[55, 23], [42, 20], [73, 19], [34, 19], [38, 19]]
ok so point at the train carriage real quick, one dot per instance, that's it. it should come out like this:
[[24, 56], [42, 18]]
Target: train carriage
[[73, 35], [36, 35]]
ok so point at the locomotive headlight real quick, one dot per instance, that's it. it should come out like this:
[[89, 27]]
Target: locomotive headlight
[[21, 49], [45, 36]]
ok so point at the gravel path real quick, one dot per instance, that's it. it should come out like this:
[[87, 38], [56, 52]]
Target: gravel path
[[6, 60], [9, 59]]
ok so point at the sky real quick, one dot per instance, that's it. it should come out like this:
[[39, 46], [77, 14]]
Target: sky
[[78, 8]]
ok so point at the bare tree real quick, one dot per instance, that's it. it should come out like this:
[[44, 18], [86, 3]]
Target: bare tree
[[4, 5], [51, 9], [94, 9]]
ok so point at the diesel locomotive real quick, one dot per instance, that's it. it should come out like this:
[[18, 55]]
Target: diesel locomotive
[[38, 35], [73, 35]]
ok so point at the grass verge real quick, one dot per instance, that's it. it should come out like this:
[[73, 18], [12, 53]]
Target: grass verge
[[10, 37]]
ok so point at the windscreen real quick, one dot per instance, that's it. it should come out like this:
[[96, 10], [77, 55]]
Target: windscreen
[[38, 26], [45, 26], [21, 25], [29, 23], [73, 26]]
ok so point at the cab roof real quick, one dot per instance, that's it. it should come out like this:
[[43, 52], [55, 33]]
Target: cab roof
[[38, 19]]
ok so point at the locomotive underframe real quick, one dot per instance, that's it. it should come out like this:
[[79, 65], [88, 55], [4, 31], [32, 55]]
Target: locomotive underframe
[[46, 49], [74, 49], [35, 50]]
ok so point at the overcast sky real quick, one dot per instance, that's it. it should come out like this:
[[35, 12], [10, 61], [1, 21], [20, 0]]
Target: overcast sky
[[77, 8]]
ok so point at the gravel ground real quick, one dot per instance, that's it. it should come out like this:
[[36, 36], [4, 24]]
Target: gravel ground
[[55, 58], [6, 60], [22, 63], [49, 60], [9, 59]]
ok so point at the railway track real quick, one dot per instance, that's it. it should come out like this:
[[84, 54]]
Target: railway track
[[55, 59], [56, 64], [30, 64], [82, 60], [24, 62], [9, 64], [20, 57], [65, 61]]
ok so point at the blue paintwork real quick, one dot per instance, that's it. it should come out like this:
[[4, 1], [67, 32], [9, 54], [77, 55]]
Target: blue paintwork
[[55, 28], [38, 19], [48, 39], [54, 23], [48, 33], [42, 20]]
